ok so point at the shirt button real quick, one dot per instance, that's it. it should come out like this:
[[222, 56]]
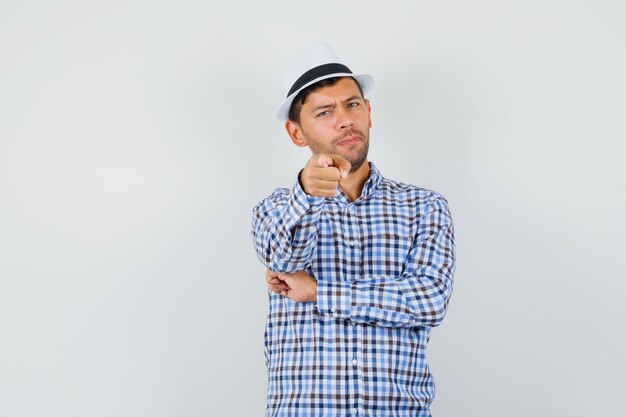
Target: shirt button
[[354, 361], [352, 243], [333, 310], [354, 411], [353, 323]]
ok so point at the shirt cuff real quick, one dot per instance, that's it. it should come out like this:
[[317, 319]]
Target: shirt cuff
[[303, 200], [303, 208], [334, 298]]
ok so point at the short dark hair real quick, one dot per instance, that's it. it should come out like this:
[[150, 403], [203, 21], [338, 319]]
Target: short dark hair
[[300, 99]]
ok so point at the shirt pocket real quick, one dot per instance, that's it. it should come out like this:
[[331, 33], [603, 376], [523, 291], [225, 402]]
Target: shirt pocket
[[384, 254]]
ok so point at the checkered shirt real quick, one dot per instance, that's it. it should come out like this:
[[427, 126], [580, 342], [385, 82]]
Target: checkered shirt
[[384, 266]]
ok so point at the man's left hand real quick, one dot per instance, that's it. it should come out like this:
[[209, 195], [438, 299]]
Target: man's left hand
[[299, 286]]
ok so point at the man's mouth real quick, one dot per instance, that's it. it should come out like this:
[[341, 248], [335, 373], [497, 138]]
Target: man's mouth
[[349, 141]]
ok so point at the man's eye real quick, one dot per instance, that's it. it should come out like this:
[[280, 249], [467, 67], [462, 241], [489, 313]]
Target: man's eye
[[324, 113], [353, 104]]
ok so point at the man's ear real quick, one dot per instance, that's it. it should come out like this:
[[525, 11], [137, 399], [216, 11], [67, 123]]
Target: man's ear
[[295, 133]]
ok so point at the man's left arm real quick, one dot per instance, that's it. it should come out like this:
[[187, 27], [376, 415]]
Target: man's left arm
[[418, 297]]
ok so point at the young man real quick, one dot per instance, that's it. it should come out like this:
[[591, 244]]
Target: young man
[[360, 267]]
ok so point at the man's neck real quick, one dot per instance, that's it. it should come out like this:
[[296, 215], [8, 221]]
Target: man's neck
[[353, 185]]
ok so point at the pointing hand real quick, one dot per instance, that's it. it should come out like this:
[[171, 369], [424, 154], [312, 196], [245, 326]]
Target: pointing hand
[[322, 173]]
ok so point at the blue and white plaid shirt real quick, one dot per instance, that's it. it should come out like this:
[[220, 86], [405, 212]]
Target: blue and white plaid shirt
[[384, 266]]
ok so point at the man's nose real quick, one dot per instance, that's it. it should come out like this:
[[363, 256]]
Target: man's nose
[[343, 119]]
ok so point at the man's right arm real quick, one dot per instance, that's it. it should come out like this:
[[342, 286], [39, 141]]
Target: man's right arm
[[284, 228], [284, 225]]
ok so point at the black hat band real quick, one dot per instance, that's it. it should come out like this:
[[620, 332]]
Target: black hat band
[[317, 72]]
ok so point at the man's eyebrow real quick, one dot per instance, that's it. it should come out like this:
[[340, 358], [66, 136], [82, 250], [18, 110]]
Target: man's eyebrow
[[356, 96], [324, 106]]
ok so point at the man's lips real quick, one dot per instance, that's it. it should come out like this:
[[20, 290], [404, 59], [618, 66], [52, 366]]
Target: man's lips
[[350, 140]]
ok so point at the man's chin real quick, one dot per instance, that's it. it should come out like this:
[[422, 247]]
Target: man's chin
[[356, 157]]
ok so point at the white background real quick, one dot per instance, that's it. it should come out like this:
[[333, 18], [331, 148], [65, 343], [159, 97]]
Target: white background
[[135, 138]]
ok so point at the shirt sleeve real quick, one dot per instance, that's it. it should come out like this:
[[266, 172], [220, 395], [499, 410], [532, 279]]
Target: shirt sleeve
[[284, 228], [418, 297]]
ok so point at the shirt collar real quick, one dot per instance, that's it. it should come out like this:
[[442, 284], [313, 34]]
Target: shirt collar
[[372, 182]]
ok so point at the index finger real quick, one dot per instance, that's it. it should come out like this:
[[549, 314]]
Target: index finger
[[342, 163]]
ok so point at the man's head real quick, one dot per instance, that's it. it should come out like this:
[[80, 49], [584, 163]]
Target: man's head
[[332, 116], [325, 106]]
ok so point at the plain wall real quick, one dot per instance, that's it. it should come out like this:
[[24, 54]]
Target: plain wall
[[135, 138]]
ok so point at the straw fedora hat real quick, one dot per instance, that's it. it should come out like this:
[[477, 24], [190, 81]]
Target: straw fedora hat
[[316, 63]]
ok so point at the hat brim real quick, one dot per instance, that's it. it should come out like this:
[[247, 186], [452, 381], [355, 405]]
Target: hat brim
[[366, 82]]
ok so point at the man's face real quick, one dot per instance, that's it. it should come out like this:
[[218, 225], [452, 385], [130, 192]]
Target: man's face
[[335, 120]]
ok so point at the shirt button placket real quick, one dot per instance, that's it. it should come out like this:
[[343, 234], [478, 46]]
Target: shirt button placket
[[354, 254], [357, 365]]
